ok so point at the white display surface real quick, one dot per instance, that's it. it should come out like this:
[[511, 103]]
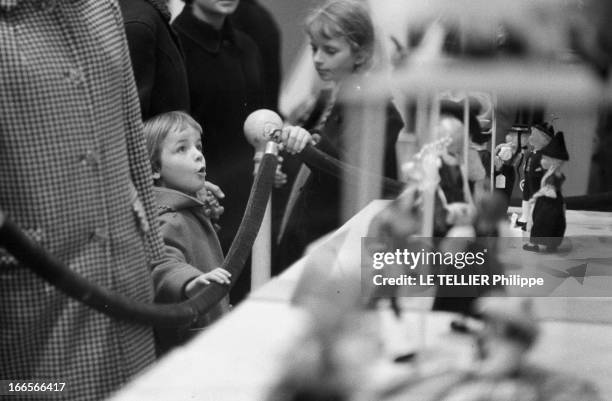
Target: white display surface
[[241, 356]]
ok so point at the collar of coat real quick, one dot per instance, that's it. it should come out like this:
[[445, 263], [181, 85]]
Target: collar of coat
[[203, 33], [172, 200], [162, 7]]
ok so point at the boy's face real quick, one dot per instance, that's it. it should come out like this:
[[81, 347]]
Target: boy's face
[[217, 7], [183, 167], [333, 58]]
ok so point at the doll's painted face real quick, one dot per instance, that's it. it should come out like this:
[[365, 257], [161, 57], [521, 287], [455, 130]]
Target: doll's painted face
[[549, 162], [538, 139], [183, 167], [451, 127], [518, 140], [512, 140], [333, 58], [524, 137]]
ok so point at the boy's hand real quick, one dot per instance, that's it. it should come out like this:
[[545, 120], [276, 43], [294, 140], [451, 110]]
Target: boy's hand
[[210, 195], [214, 190], [295, 139], [218, 275]]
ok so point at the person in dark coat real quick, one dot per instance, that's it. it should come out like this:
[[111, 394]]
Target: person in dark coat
[[256, 21], [156, 56], [548, 217], [346, 53], [224, 71]]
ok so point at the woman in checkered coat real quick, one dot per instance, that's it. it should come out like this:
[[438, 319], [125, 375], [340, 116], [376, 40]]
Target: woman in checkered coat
[[74, 175]]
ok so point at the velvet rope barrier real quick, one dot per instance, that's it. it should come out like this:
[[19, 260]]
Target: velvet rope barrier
[[264, 125], [315, 158], [120, 307]]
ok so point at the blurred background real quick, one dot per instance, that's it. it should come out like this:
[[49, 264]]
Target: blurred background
[[563, 32]]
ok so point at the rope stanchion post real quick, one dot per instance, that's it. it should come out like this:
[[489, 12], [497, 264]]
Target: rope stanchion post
[[258, 129]]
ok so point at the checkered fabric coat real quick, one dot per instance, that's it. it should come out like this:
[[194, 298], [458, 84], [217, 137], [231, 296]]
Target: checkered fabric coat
[[74, 175]]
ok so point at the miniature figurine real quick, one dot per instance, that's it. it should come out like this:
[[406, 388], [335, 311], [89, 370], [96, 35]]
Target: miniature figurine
[[548, 217], [541, 135], [508, 157]]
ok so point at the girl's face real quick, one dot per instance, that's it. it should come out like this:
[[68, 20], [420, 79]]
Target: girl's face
[[183, 167], [217, 7], [333, 58]]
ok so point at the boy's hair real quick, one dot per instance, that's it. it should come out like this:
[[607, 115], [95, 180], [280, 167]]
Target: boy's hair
[[156, 130], [349, 19]]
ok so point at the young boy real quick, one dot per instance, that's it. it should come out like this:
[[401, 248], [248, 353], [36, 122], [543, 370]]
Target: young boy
[[179, 173]]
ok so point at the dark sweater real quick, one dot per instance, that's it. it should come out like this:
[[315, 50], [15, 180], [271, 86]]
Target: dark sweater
[[156, 57]]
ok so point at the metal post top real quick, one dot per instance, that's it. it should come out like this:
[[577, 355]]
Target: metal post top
[[271, 148], [260, 126]]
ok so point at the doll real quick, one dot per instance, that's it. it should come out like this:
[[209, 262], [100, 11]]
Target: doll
[[508, 156], [541, 135], [548, 216]]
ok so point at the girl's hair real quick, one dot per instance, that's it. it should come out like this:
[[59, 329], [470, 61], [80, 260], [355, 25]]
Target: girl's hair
[[349, 19], [156, 130]]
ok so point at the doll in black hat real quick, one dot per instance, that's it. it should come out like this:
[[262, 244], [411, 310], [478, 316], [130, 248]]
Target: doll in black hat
[[548, 215], [540, 137], [508, 157]]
